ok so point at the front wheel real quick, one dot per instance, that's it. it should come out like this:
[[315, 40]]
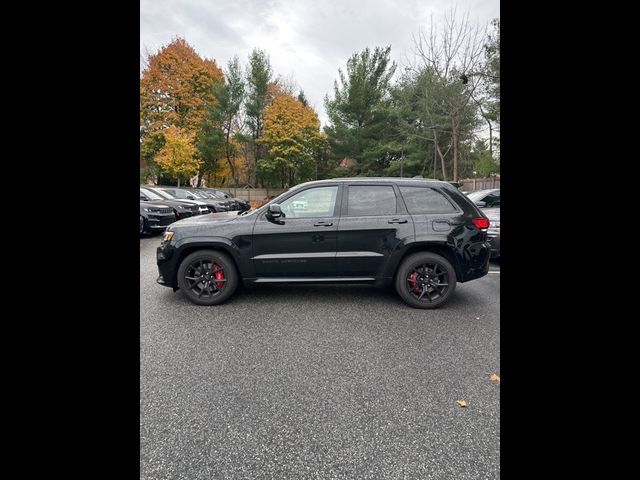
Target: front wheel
[[207, 277], [425, 280]]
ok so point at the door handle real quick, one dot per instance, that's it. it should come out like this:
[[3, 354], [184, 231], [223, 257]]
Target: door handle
[[322, 224], [397, 220]]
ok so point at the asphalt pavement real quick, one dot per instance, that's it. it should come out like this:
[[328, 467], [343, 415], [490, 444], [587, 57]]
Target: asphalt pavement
[[341, 381]]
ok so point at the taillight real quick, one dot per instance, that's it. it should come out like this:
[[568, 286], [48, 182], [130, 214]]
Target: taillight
[[481, 222]]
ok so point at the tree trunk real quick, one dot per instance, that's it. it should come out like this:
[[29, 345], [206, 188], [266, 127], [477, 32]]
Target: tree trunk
[[178, 182], [232, 167], [435, 141], [455, 135], [490, 139]]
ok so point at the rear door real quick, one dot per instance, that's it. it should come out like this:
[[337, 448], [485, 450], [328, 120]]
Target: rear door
[[374, 222], [433, 213]]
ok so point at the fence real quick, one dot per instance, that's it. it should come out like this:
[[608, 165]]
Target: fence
[[253, 194], [473, 184]]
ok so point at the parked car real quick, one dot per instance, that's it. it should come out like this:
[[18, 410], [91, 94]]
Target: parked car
[[422, 236], [184, 194], [215, 204], [240, 204], [141, 224], [155, 217], [181, 208], [486, 198], [489, 202], [300, 204], [204, 209]]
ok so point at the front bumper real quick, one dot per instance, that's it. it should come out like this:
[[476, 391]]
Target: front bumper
[[167, 262], [155, 221]]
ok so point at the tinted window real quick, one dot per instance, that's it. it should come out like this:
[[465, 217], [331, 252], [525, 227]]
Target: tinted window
[[425, 200], [365, 200], [314, 202]]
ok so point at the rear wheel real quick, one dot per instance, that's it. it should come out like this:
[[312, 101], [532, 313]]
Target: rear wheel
[[207, 277], [425, 280]]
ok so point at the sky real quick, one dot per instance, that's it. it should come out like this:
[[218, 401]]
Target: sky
[[307, 40]]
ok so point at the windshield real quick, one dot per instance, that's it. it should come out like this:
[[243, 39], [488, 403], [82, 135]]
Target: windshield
[[163, 194], [179, 193], [150, 194], [475, 196]]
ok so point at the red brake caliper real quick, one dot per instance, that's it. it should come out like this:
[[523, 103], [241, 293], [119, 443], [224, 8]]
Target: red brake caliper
[[218, 272], [413, 281]]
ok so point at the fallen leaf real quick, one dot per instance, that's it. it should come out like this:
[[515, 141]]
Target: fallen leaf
[[462, 403], [477, 318], [494, 378]]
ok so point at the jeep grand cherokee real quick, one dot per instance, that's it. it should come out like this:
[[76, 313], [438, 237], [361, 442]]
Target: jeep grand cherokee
[[422, 236]]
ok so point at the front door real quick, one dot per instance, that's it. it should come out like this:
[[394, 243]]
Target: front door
[[303, 242]]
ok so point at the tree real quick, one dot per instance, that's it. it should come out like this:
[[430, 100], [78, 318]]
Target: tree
[[230, 95], [358, 111], [210, 145], [491, 82], [258, 78], [483, 162], [176, 88], [452, 60], [293, 138], [178, 155]]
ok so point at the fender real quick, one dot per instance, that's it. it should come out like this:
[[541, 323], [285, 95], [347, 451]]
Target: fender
[[239, 248]]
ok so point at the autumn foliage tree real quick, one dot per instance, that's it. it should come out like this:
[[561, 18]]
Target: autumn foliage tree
[[176, 89], [178, 155], [292, 138]]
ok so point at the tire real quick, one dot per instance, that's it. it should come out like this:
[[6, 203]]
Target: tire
[[417, 284], [215, 289]]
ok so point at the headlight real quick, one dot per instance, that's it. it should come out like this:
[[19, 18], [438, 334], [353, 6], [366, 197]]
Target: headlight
[[145, 209], [494, 224], [167, 236]]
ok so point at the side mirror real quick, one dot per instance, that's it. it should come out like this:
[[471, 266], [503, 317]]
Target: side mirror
[[481, 204], [275, 213], [142, 197], [191, 197]]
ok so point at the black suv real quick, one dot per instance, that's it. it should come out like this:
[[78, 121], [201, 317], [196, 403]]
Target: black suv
[[423, 236]]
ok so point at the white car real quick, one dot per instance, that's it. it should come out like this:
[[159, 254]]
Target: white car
[[299, 205]]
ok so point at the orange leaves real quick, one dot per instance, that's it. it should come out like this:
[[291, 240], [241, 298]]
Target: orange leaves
[[291, 129], [176, 87], [177, 156]]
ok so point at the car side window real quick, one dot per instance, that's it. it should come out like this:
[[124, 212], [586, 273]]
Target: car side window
[[312, 203], [371, 200], [421, 200]]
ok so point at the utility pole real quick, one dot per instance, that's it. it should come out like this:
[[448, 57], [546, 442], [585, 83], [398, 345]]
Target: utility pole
[[401, 162]]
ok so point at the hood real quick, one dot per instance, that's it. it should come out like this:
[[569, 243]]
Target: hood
[[151, 204], [201, 220]]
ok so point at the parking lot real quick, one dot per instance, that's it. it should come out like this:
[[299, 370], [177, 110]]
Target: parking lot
[[340, 381]]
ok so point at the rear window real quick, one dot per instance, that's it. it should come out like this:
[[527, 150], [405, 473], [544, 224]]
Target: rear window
[[368, 200], [425, 200]]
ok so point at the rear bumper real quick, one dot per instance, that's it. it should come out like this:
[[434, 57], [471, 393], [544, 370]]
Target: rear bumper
[[475, 263], [494, 245]]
